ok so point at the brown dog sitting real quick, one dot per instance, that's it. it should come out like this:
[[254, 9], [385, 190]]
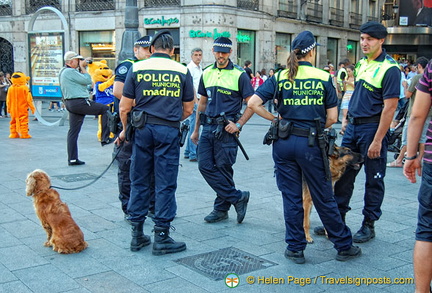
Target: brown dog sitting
[[63, 233], [339, 160]]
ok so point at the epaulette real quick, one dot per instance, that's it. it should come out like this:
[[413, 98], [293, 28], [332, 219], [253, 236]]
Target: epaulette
[[236, 66], [390, 59]]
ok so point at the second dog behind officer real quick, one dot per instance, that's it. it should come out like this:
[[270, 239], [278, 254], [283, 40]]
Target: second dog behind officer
[[223, 87], [163, 93]]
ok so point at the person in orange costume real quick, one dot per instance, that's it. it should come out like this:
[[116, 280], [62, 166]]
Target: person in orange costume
[[18, 101]]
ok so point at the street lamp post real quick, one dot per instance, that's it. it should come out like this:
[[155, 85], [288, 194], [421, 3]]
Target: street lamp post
[[131, 34]]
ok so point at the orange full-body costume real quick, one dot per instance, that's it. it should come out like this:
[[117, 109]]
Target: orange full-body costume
[[18, 101]]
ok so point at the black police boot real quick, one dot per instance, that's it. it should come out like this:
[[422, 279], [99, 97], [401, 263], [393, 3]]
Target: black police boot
[[352, 252], [216, 216], [320, 230], [164, 244], [139, 240], [241, 206], [296, 256], [366, 232]]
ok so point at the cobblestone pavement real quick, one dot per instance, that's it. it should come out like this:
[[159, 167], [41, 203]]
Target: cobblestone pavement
[[108, 265]]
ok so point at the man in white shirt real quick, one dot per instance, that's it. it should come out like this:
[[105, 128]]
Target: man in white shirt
[[195, 69]]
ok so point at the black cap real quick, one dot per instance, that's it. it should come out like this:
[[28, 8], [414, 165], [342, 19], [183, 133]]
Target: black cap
[[144, 41], [305, 41], [160, 33], [374, 29], [222, 44]]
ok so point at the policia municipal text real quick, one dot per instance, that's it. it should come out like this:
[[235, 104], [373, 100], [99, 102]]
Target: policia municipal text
[[296, 153]]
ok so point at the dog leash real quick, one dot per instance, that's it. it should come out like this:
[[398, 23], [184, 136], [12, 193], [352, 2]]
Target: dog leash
[[97, 178]]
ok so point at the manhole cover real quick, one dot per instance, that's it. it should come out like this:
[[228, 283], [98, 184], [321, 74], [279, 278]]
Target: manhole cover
[[75, 177], [217, 264]]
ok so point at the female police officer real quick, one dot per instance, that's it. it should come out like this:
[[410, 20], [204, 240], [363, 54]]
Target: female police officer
[[303, 94]]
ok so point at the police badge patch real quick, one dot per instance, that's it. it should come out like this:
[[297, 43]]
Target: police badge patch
[[122, 69]]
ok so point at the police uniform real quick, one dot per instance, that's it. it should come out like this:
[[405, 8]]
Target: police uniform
[[297, 155], [159, 86], [125, 152], [225, 90], [376, 81]]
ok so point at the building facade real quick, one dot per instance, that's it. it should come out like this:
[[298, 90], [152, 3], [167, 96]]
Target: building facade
[[261, 30]]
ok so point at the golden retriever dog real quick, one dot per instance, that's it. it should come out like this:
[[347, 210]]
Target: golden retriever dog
[[63, 234], [339, 160]]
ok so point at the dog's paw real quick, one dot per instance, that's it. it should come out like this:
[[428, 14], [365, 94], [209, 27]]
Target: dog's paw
[[47, 244], [309, 240]]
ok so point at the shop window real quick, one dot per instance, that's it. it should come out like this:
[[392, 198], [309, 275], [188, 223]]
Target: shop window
[[99, 45], [282, 50], [352, 51], [332, 51], [245, 47]]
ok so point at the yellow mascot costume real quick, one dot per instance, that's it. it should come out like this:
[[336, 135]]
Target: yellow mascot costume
[[103, 80], [18, 101]]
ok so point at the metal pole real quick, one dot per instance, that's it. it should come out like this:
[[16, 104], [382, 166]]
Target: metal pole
[[131, 34]]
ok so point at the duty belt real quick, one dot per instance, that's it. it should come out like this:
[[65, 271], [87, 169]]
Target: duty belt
[[300, 131], [364, 120], [160, 121], [214, 120]]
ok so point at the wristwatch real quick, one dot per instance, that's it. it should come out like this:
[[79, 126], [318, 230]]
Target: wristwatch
[[239, 126]]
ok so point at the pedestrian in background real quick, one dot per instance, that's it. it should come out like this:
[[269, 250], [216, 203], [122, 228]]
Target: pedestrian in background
[[195, 69], [295, 156], [423, 245], [73, 84]]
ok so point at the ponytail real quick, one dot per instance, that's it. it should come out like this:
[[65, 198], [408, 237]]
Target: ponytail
[[292, 63]]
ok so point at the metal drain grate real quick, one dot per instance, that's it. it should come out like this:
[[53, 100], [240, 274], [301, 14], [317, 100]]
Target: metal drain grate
[[75, 177], [217, 264]]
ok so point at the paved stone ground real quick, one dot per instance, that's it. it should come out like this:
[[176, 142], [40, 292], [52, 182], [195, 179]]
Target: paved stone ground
[[109, 266]]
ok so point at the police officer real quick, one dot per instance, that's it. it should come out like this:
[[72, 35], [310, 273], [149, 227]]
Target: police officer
[[304, 93], [370, 112], [141, 52], [223, 87], [163, 93]]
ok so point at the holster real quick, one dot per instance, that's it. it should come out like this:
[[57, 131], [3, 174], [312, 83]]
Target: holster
[[113, 121], [138, 119], [129, 132], [219, 131], [284, 129], [272, 133]]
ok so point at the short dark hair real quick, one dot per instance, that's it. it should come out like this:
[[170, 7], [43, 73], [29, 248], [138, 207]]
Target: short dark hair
[[164, 42], [423, 61], [248, 62]]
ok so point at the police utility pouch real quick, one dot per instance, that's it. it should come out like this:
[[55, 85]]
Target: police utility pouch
[[312, 136], [139, 119], [284, 129]]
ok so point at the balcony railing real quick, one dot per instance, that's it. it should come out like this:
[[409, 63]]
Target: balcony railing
[[314, 12], [161, 3], [287, 8], [33, 5], [355, 20], [94, 5], [5, 7], [336, 16], [248, 4]]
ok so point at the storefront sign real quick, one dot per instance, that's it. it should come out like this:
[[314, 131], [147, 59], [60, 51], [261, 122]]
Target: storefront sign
[[243, 38], [46, 60], [161, 21], [215, 34]]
